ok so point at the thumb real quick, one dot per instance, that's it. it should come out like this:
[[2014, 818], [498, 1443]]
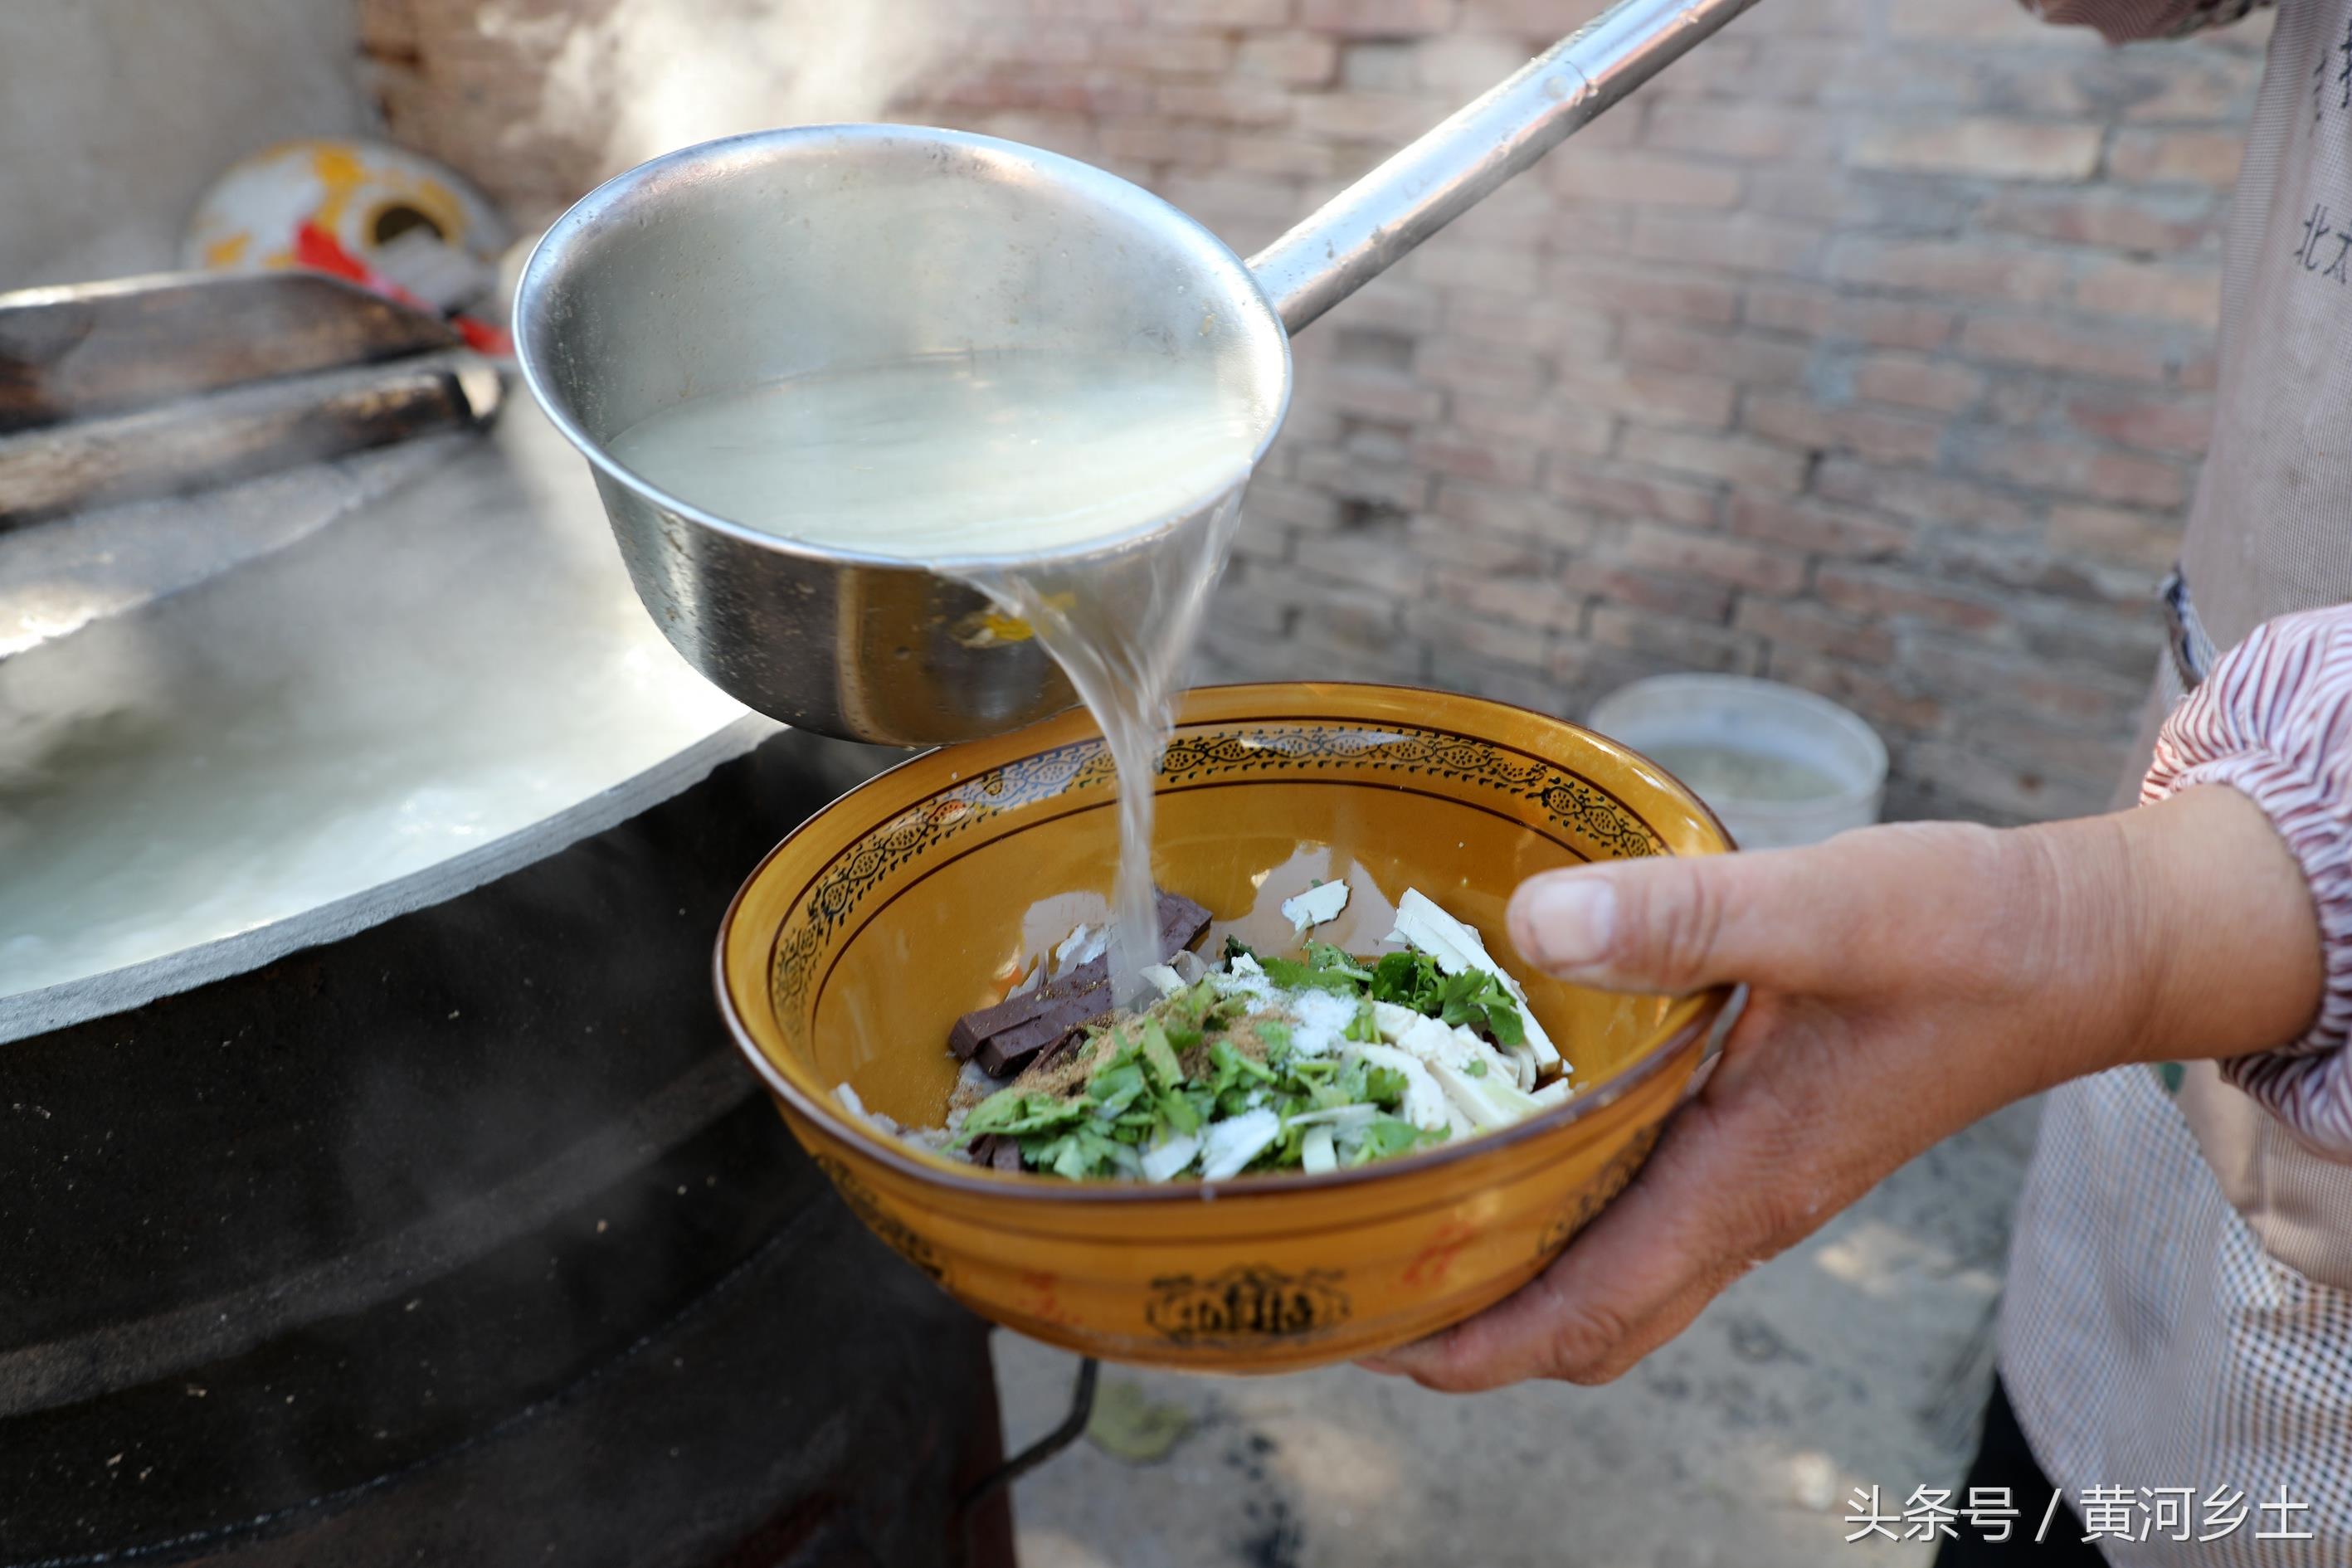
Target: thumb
[[1675, 924]]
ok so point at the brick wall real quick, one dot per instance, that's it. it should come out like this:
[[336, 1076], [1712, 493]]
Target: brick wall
[[1869, 349]]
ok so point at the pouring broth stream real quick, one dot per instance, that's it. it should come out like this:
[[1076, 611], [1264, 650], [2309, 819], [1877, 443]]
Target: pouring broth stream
[[975, 464]]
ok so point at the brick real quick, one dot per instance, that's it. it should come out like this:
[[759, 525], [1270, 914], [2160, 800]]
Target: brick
[[2161, 222], [1916, 381], [1795, 420], [1814, 527], [1612, 489], [1221, 13], [1514, 598], [1825, 196], [1372, 393], [1737, 460], [1155, 53], [1374, 563], [1848, 17], [1590, 672], [2070, 469], [1226, 195], [1663, 397], [1460, 64], [1819, 313], [1755, 132], [1643, 179], [2048, 344], [1034, 45], [1245, 604], [1743, 357], [1554, 425], [2028, 567], [1393, 304], [1296, 59], [2203, 86], [2145, 541], [1389, 119], [2190, 296], [1877, 591], [1739, 243], [1796, 623], [1382, 65], [1392, 483], [2126, 645], [1649, 547], [1446, 627], [1376, 18], [1521, 548], [1502, 683], [1979, 149], [1450, 263], [1940, 20], [1261, 152], [1783, 68], [1225, 102], [1917, 497], [1350, 607], [2020, 400], [1482, 370], [1466, 509], [1562, 329], [1345, 650], [2193, 157], [1584, 231], [1152, 140], [1643, 291], [1884, 697], [1462, 454], [1499, 682], [1969, 268], [1687, 645], [2156, 425], [1665, 595]]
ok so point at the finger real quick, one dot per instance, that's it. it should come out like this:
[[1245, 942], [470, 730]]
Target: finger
[[1689, 1225], [1740, 1174], [1795, 919]]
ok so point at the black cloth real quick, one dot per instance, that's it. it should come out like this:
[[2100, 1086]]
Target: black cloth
[[2004, 1459]]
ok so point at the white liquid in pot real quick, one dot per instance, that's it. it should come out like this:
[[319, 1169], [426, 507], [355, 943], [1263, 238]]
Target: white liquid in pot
[[948, 459], [958, 455]]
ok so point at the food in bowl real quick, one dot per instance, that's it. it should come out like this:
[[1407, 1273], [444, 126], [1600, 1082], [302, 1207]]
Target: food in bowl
[[1314, 1061], [857, 946]]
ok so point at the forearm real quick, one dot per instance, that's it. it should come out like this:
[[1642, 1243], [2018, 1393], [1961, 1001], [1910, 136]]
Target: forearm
[[2191, 930]]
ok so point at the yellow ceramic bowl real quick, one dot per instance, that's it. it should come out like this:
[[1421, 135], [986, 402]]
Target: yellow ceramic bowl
[[861, 939]]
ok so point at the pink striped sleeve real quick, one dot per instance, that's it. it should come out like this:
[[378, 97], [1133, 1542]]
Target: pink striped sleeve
[[2273, 721], [2122, 21]]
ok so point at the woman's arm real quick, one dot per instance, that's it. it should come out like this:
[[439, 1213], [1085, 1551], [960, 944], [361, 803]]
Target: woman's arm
[[1906, 981]]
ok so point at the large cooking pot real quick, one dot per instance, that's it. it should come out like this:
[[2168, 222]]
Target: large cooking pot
[[376, 1182], [759, 257]]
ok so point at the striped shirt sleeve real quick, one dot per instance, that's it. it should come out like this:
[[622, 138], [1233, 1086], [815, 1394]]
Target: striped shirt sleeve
[[2273, 722], [2122, 21]]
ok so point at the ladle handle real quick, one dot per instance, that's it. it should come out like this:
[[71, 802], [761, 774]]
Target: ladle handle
[[1368, 227]]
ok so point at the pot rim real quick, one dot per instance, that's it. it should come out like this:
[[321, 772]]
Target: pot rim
[[837, 1125]]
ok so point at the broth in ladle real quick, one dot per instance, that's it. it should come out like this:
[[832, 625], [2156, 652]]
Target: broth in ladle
[[979, 464]]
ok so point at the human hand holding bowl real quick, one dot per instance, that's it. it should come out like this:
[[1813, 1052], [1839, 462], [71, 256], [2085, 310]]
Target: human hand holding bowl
[[1905, 980]]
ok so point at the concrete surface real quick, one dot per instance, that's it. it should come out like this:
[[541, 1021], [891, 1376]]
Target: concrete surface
[[1862, 1357]]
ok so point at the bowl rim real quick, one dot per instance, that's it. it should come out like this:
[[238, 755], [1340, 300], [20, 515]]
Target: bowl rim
[[823, 1114]]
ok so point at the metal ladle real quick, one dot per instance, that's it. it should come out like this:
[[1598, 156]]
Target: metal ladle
[[786, 252]]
